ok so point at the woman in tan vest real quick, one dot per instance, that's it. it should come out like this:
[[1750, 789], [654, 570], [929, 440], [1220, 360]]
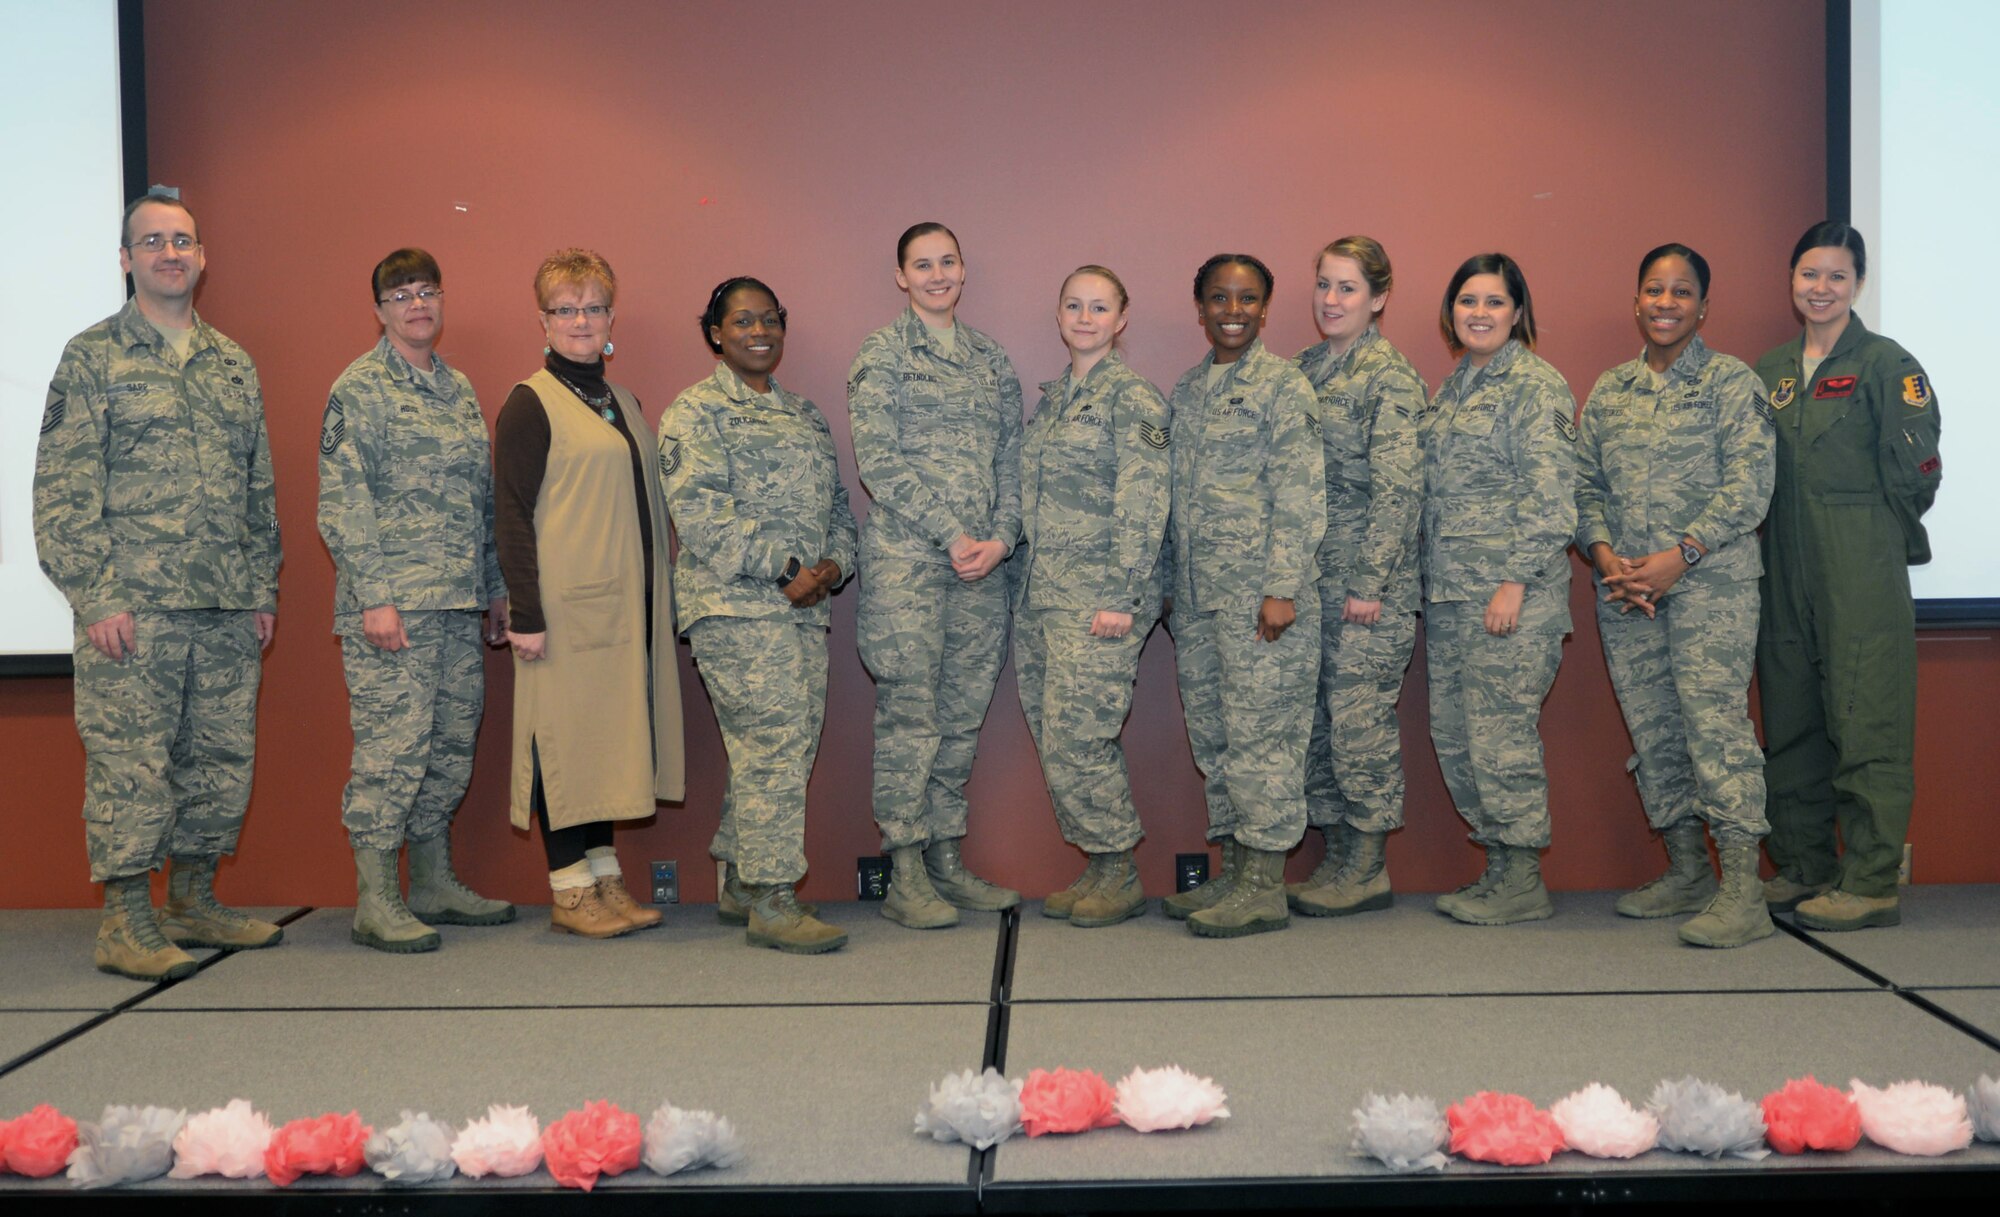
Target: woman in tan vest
[[582, 532]]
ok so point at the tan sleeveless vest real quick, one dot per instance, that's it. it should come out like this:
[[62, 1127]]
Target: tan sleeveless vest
[[606, 723]]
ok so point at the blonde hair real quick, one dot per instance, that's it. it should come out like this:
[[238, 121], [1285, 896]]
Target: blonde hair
[[1369, 255], [577, 268], [1103, 272]]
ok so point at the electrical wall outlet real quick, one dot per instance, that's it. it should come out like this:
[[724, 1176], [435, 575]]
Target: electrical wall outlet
[[871, 878], [1190, 871], [666, 883], [1903, 871]]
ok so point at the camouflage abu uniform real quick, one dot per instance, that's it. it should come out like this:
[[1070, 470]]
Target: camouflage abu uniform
[[751, 482], [154, 496], [1499, 506], [1248, 516], [406, 509], [1094, 492], [1371, 403], [1694, 455], [938, 441]]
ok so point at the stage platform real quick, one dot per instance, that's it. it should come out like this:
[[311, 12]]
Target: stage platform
[[822, 1061]]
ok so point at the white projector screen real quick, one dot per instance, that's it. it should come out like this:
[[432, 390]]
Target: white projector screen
[[1925, 102], [63, 130]]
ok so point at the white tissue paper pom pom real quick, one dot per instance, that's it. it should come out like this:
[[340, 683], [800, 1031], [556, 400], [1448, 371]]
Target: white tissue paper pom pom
[[415, 1150], [1151, 1100], [1598, 1121], [507, 1142], [980, 1109], [1914, 1118], [1984, 1102], [678, 1140], [127, 1145], [227, 1141], [1700, 1117], [1402, 1133]]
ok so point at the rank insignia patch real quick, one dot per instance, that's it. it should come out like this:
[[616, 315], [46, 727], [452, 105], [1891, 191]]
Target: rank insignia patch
[[334, 428], [52, 416], [670, 458], [1917, 390], [1787, 392], [1155, 437], [1565, 424], [1834, 386]]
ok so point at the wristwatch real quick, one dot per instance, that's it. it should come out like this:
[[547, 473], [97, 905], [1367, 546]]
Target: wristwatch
[[791, 573], [1690, 552]]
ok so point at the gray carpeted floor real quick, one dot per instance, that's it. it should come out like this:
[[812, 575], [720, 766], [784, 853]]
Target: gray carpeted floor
[[24, 1031], [689, 961], [821, 1095], [1980, 1007], [48, 960], [1950, 936], [1409, 949], [1295, 1070]]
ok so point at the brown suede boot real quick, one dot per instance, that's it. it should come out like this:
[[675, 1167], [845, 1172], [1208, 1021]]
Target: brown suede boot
[[611, 891], [581, 911]]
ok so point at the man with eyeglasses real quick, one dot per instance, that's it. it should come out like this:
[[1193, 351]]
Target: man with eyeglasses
[[406, 508], [156, 516]]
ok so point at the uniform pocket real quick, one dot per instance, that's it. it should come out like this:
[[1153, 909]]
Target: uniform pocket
[[597, 615]]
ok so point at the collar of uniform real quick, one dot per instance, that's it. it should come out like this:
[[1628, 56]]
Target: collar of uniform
[[133, 328], [1501, 363], [1850, 338], [1318, 364], [734, 388], [1249, 367], [1687, 366], [917, 334], [1096, 373]]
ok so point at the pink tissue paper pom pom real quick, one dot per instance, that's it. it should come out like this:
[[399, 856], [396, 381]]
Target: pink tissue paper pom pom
[[1805, 1113], [1914, 1118], [601, 1139], [229, 1141], [1066, 1100], [5, 1125], [1598, 1121], [39, 1143], [317, 1145], [506, 1143], [1502, 1128], [1150, 1100]]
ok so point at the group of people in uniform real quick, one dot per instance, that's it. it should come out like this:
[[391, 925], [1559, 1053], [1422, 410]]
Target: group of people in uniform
[[1291, 521]]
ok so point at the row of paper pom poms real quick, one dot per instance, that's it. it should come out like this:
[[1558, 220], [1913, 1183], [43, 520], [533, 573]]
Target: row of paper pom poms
[[984, 1109], [1689, 1115], [132, 1144]]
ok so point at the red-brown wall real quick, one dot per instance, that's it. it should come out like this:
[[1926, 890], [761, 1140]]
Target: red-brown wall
[[689, 142]]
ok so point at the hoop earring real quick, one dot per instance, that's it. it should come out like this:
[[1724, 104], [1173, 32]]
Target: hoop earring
[[607, 347]]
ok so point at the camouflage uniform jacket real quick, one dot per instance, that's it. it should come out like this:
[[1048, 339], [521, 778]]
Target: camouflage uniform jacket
[[1696, 457], [1094, 492], [1249, 484], [1371, 407], [937, 440], [153, 485], [749, 486], [1499, 477], [406, 489]]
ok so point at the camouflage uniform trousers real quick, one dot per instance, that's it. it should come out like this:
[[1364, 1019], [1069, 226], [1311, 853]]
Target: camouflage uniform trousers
[[1354, 766], [415, 715], [934, 644], [1248, 706], [1683, 681], [766, 679], [169, 738], [1486, 702], [1076, 691]]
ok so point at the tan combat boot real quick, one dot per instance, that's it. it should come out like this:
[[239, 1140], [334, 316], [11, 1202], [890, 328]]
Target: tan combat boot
[[1738, 914], [1255, 903], [776, 920], [1496, 861], [732, 902], [1059, 904], [1337, 837], [192, 917], [437, 895], [1688, 884], [911, 900], [581, 911], [1361, 886], [1181, 904], [1517, 895], [958, 886], [1843, 910], [1117, 896], [1782, 893], [129, 942], [381, 919]]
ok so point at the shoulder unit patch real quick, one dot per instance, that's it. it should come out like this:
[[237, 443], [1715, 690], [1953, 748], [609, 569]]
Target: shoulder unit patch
[[1917, 390]]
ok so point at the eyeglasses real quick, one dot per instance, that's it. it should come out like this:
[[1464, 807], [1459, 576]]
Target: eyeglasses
[[402, 299], [153, 243], [568, 312]]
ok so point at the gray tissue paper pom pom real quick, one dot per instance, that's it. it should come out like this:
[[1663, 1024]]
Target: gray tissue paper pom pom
[[1700, 1117], [980, 1109], [1405, 1134], [1983, 1098], [678, 1140], [127, 1145], [415, 1150]]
